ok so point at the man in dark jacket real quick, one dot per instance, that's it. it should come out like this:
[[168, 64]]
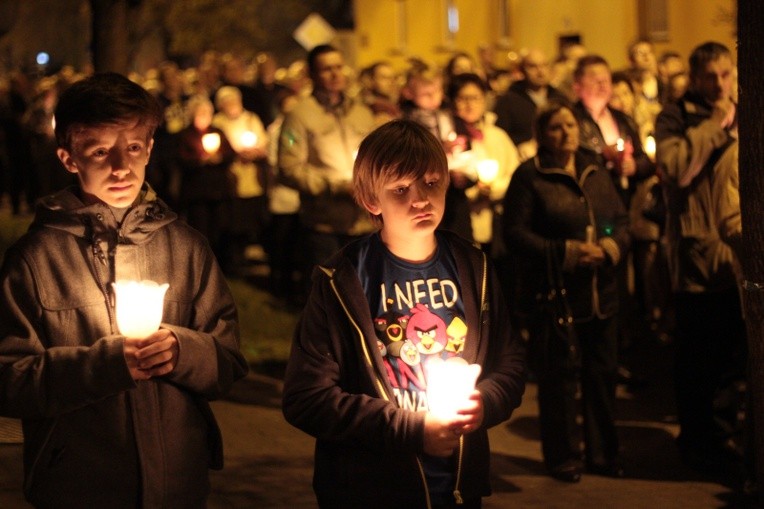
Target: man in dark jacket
[[109, 420], [516, 109], [611, 134]]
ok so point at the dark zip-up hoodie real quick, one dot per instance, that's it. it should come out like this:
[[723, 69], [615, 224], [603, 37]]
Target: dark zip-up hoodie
[[336, 389]]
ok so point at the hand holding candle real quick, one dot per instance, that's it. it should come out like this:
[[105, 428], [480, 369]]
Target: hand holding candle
[[148, 351]]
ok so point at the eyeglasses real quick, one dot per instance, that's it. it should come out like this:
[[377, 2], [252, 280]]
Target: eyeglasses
[[464, 99]]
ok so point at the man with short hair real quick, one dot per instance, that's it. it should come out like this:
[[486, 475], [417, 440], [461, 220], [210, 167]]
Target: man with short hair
[[317, 147], [698, 155], [516, 109]]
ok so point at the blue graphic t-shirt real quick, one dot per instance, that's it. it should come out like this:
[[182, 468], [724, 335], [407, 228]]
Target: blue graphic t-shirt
[[418, 316]]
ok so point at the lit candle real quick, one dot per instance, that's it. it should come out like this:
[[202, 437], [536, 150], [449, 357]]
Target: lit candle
[[449, 385], [620, 146], [487, 170], [248, 139], [139, 306], [650, 147], [211, 142]]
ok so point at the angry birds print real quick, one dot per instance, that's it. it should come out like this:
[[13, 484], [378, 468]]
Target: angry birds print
[[426, 330]]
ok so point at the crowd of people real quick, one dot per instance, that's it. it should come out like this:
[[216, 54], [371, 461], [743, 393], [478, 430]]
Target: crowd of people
[[605, 199]]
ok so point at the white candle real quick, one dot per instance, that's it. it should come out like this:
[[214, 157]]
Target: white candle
[[139, 306], [487, 170], [620, 146], [211, 142], [650, 147], [449, 385], [248, 139]]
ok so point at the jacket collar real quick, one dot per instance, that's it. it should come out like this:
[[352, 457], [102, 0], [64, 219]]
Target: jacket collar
[[66, 211]]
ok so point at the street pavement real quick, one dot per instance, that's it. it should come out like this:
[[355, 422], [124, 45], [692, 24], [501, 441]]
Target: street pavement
[[269, 463]]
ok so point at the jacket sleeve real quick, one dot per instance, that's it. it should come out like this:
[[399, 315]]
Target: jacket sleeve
[[503, 382], [318, 398], [645, 167], [38, 381], [294, 168], [727, 200], [519, 210], [209, 360], [682, 151]]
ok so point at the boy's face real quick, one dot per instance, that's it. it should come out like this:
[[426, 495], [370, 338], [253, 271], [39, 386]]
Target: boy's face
[[109, 161], [411, 208]]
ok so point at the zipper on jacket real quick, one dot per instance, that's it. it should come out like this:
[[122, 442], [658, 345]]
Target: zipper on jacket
[[99, 256], [427, 500], [380, 385], [457, 491], [367, 355]]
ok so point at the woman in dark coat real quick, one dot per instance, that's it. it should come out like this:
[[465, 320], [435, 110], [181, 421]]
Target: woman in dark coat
[[567, 230]]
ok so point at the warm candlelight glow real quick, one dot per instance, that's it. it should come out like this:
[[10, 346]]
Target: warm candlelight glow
[[248, 139], [650, 147], [211, 142], [139, 306], [487, 170], [449, 385]]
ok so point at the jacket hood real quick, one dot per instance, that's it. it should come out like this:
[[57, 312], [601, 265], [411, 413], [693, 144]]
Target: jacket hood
[[66, 211]]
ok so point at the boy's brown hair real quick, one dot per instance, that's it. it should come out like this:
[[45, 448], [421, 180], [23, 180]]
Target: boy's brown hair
[[104, 99], [398, 149]]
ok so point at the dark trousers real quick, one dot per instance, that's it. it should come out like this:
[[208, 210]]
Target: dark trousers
[[711, 354], [282, 242], [557, 387], [212, 219]]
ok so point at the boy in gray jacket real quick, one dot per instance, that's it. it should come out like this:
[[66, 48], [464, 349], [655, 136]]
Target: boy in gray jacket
[[108, 420]]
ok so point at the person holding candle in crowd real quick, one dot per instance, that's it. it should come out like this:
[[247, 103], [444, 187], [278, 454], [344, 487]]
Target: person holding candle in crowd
[[493, 160], [381, 311], [108, 420], [568, 231], [207, 186], [614, 138], [249, 206], [652, 286], [608, 132]]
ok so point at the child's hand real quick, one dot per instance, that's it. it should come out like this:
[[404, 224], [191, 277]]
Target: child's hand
[[155, 355], [473, 413], [441, 436]]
